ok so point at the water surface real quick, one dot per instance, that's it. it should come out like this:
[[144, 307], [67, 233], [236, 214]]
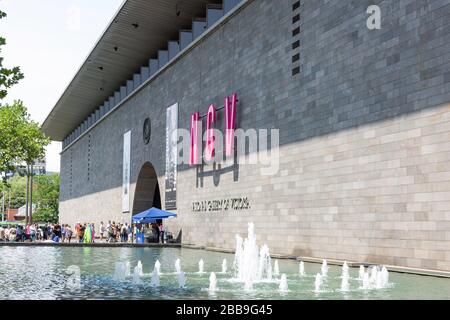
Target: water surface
[[41, 273]]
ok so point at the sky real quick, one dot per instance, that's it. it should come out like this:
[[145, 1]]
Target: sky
[[49, 40]]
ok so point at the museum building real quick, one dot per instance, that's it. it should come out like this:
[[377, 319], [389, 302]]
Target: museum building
[[358, 121]]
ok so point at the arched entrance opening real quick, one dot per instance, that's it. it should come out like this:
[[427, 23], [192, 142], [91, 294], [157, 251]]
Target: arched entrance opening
[[147, 193]]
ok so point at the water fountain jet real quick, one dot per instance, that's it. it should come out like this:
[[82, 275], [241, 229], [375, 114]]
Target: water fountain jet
[[140, 268], [119, 271], [318, 283], [212, 282], [361, 272], [345, 285], [324, 268], [224, 266], [155, 277], [250, 263], [137, 275], [178, 266], [158, 267], [283, 284], [181, 279], [128, 269], [276, 269], [200, 266], [345, 270], [301, 268]]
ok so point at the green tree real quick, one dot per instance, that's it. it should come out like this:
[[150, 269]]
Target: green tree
[[46, 198], [15, 191], [8, 77], [21, 138]]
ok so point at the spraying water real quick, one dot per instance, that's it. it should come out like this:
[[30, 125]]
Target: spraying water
[[385, 276], [181, 279], [373, 277], [345, 285], [200, 266], [224, 266], [137, 275], [155, 278], [276, 269], [301, 268], [361, 272], [283, 284], [238, 256], [324, 268], [139, 266], [250, 263], [382, 278], [345, 269], [128, 269], [366, 282], [265, 264], [318, 283], [212, 282], [178, 266], [119, 272], [158, 267]]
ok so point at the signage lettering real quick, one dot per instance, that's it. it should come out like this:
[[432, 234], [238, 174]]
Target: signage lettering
[[230, 123], [221, 205], [193, 159], [210, 120], [211, 117]]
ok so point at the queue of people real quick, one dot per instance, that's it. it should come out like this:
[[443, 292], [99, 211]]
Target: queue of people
[[112, 232], [30, 233]]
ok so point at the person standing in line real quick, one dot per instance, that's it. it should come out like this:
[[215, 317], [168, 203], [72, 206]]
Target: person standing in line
[[130, 233], [102, 230], [110, 232], [33, 232], [123, 232], [19, 237], [7, 231], [126, 235], [81, 231], [93, 232], [161, 232], [27, 232], [2, 234], [77, 231], [68, 233], [63, 232]]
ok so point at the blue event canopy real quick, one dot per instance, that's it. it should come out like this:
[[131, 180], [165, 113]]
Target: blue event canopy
[[151, 215]]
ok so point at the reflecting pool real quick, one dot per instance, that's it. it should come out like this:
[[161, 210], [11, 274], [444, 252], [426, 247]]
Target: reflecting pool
[[51, 273]]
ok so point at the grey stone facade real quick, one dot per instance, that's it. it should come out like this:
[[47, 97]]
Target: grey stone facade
[[364, 133]]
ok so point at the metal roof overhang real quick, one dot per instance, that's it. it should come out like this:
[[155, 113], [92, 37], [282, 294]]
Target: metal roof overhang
[[105, 69]]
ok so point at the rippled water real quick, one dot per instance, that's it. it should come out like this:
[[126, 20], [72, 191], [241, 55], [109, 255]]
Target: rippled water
[[41, 273]]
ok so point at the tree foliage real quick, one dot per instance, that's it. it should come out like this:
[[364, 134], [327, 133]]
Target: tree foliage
[[8, 76], [21, 138], [15, 191], [45, 195], [46, 198]]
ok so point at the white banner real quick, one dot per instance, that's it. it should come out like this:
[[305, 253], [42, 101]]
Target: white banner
[[171, 157], [126, 172]]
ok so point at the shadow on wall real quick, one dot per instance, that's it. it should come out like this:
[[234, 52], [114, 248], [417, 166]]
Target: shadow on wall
[[179, 237], [147, 194]]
